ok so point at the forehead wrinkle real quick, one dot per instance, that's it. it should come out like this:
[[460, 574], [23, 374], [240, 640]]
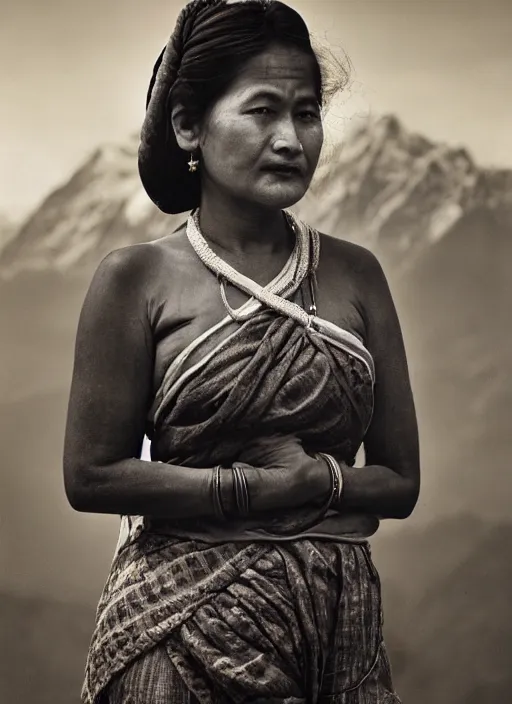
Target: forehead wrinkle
[[278, 90], [282, 70], [279, 66], [288, 77]]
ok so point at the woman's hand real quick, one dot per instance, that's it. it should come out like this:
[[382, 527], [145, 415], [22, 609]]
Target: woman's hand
[[304, 478]]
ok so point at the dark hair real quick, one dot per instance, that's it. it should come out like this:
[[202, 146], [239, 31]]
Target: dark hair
[[212, 41], [221, 40]]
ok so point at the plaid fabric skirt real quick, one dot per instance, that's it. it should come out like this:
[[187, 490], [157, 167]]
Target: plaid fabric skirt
[[356, 669]]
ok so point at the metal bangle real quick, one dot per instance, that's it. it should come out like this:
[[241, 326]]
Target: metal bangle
[[241, 491], [336, 477], [339, 472], [217, 497], [245, 490]]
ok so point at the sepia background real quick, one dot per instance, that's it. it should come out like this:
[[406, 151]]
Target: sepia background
[[418, 168]]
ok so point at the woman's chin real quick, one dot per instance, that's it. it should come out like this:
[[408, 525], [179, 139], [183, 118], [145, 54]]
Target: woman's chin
[[280, 198], [267, 197]]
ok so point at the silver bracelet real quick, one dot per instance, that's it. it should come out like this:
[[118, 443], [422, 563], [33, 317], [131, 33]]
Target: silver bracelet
[[337, 477]]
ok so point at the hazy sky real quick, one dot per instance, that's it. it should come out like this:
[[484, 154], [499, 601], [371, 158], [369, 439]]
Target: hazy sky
[[74, 74]]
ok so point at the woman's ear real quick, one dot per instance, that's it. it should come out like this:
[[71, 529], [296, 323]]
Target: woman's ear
[[187, 134]]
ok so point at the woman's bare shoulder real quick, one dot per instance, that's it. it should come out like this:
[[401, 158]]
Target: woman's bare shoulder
[[345, 250], [126, 261], [349, 254], [139, 263]]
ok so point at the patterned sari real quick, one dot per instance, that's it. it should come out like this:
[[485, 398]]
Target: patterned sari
[[281, 608]]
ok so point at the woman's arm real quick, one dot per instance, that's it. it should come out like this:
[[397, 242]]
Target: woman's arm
[[110, 395], [388, 486]]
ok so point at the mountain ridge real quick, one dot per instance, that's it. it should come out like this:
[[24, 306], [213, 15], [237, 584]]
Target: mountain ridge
[[392, 189]]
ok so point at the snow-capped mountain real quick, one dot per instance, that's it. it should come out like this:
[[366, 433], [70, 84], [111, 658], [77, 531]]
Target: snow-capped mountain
[[100, 208], [398, 192]]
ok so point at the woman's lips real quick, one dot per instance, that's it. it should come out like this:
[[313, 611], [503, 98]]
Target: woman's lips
[[283, 170]]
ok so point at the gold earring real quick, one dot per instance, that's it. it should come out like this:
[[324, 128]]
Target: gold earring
[[193, 164]]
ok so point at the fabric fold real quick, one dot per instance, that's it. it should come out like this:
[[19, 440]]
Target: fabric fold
[[249, 610]]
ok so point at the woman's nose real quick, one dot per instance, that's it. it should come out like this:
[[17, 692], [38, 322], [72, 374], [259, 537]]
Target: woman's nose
[[286, 139]]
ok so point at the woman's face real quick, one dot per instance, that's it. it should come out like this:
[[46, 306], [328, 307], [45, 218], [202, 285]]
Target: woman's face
[[261, 141]]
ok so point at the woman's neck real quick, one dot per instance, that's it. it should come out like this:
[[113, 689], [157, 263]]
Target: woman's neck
[[242, 229]]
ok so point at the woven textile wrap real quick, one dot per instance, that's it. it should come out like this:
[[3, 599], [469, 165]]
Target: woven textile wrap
[[252, 615]]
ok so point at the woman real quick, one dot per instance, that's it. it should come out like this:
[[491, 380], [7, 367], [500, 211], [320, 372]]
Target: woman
[[257, 355]]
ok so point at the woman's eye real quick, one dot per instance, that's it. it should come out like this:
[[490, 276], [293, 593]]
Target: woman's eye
[[308, 115], [261, 111]]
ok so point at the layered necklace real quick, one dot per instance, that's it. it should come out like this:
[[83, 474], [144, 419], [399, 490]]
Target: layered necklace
[[301, 265]]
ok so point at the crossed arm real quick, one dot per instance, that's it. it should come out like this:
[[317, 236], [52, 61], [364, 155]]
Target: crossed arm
[[111, 391]]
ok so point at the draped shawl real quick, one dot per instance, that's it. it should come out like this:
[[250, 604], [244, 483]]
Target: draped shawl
[[269, 366]]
